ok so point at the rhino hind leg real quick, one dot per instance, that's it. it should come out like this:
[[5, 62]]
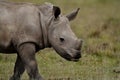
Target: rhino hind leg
[[27, 54], [18, 69]]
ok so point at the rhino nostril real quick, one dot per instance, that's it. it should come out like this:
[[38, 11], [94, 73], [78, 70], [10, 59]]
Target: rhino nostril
[[78, 55], [81, 41]]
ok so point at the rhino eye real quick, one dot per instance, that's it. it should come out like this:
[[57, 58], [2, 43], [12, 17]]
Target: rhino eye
[[62, 39]]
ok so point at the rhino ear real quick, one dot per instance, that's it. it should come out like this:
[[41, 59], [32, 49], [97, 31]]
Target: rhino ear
[[56, 11], [72, 15]]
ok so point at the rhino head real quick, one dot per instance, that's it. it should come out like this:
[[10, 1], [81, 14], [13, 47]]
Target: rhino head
[[62, 38]]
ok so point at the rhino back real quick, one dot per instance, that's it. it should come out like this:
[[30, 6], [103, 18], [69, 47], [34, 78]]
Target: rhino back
[[19, 24]]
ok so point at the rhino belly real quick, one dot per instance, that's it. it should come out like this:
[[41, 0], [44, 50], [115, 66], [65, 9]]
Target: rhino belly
[[5, 41], [6, 46], [8, 50]]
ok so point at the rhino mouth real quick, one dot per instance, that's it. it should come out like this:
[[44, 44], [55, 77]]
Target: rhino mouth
[[69, 54], [71, 59], [74, 58]]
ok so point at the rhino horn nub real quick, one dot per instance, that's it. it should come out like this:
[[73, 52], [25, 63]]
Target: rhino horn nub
[[73, 14], [80, 41]]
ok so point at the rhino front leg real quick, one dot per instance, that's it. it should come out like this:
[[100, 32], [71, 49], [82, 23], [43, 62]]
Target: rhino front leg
[[18, 69], [27, 54]]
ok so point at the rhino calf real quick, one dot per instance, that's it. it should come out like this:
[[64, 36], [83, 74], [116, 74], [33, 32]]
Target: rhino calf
[[26, 28]]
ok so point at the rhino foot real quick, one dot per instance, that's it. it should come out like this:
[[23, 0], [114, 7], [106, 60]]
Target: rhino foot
[[14, 78]]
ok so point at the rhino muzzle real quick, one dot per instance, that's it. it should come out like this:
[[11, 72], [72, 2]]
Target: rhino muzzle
[[76, 56], [72, 56]]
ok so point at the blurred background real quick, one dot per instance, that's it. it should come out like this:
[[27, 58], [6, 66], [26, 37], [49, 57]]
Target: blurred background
[[98, 24]]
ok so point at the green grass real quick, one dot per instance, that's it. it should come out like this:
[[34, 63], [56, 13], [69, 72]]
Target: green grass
[[98, 24]]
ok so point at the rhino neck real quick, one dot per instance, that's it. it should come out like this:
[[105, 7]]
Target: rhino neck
[[44, 32], [45, 12]]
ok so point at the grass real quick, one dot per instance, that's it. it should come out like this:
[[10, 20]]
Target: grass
[[98, 24]]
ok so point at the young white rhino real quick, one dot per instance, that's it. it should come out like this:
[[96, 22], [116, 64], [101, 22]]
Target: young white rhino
[[26, 28]]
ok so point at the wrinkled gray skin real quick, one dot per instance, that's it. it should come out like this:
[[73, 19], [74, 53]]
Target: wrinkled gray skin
[[26, 28]]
